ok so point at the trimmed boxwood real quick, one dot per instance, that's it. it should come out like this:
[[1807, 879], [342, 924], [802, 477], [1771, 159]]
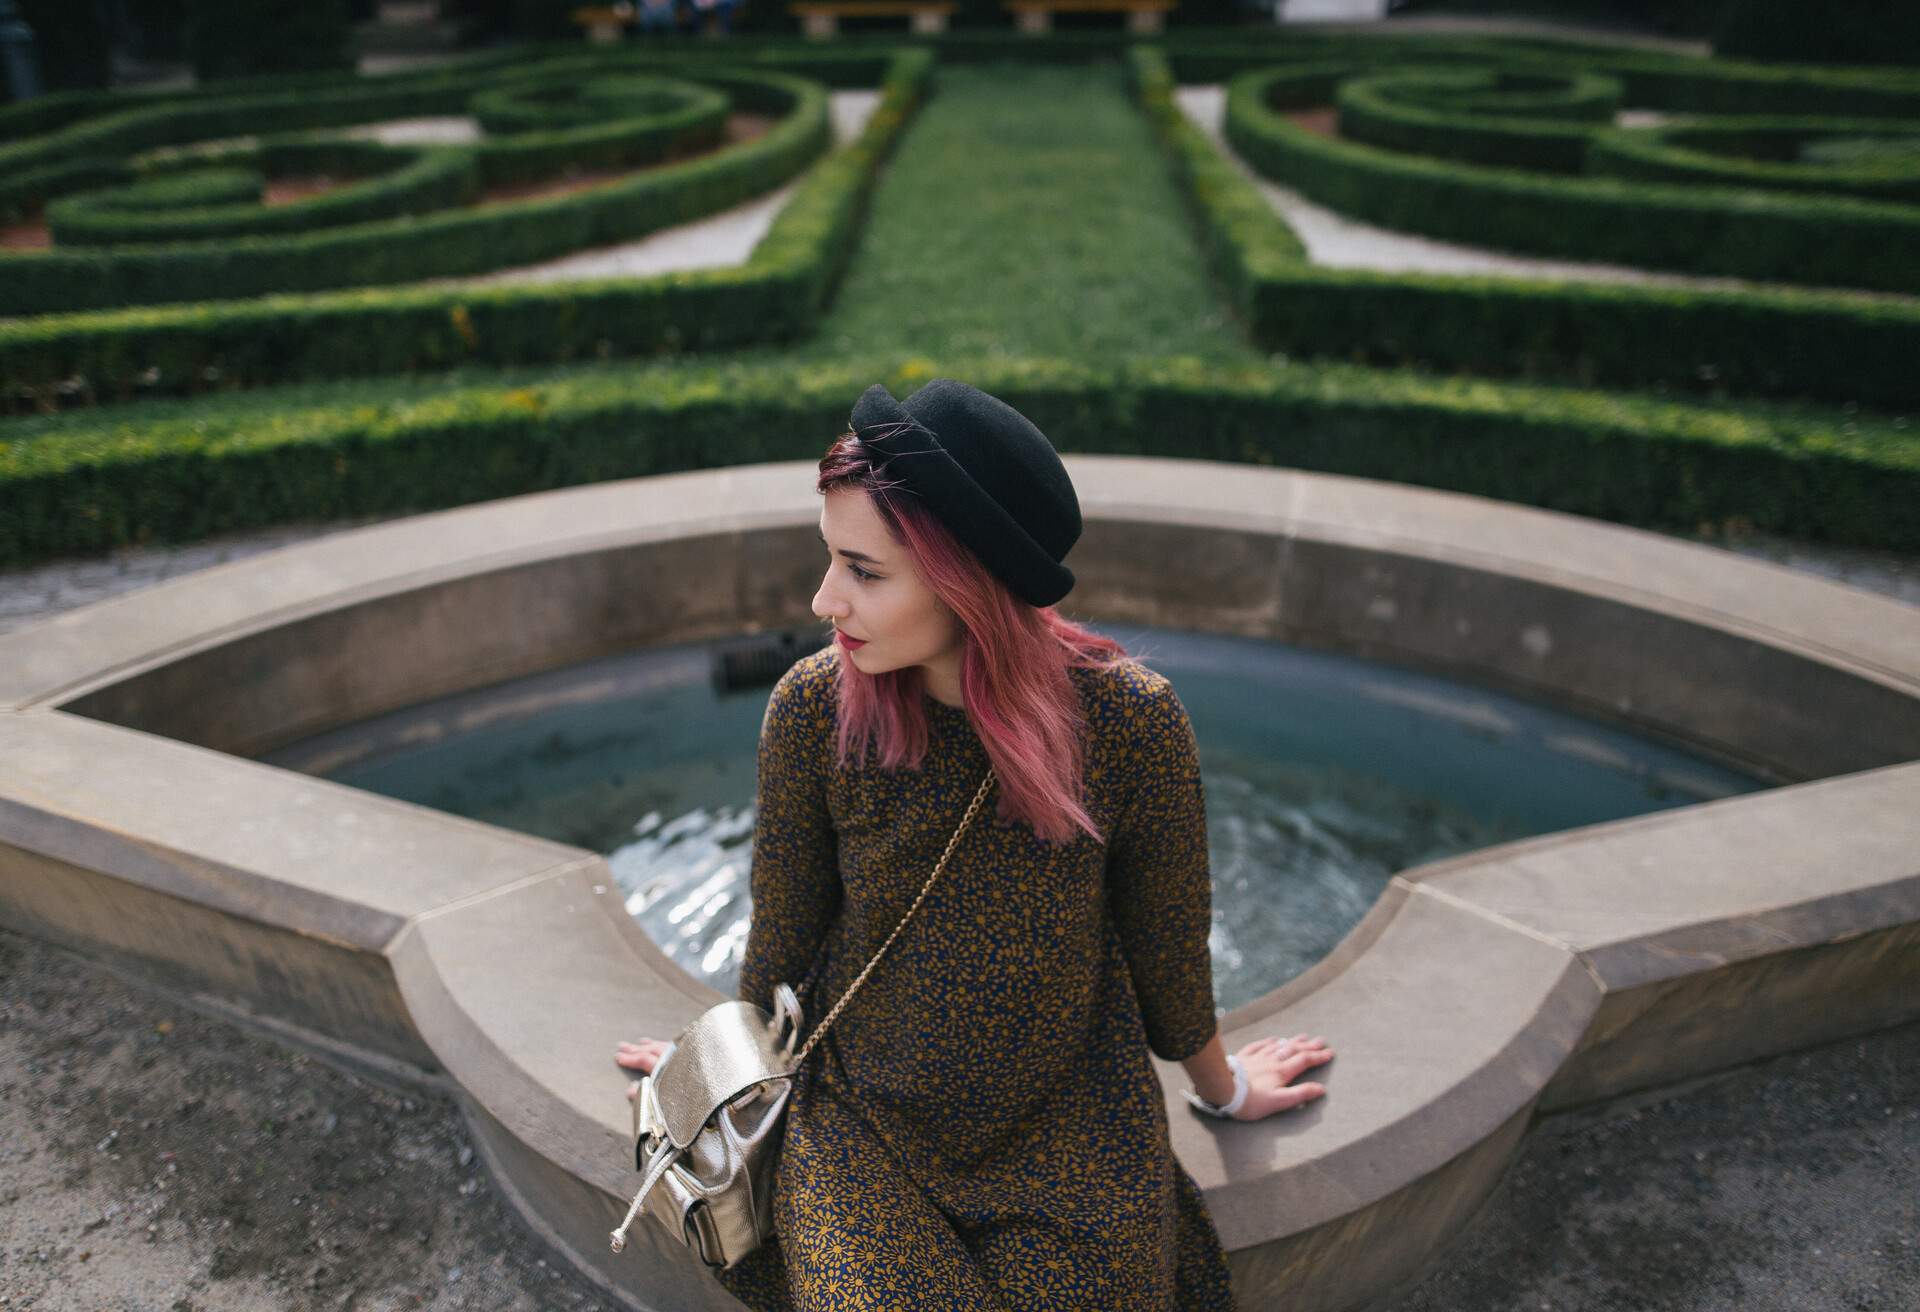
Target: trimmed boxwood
[[223, 184], [89, 481], [447, 243], [775, 297], [54, 111], [1711, 152], [624, 127], [550, 104], [1651, 80], [118, 132], [1376, 109], [405, 180], [119, 125], [1782, 343], [1586, 97], [1830, 240], [23, 191]]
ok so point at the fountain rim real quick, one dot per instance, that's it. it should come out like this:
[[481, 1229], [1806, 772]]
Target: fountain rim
[[1565, 952]]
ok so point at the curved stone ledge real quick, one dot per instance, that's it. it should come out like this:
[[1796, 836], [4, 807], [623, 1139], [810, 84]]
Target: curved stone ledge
[[1477, 992]]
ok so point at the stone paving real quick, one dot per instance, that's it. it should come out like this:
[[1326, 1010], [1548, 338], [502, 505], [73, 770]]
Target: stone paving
[[1792, 1185]]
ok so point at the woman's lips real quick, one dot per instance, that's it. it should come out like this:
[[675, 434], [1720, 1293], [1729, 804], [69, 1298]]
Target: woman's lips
[[851, 644]]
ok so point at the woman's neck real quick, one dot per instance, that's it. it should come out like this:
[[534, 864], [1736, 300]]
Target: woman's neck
[[942, 682]]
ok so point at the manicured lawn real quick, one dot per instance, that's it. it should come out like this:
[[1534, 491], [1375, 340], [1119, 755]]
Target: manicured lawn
[[1028, 213]]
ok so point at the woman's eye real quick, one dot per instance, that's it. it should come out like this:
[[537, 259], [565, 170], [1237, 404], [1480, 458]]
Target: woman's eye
[[857, 572]]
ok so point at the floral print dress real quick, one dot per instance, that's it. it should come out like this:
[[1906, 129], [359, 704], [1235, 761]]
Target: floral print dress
[[981, 1127]]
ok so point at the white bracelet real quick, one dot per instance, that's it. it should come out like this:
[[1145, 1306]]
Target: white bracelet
[[1233, 1104]]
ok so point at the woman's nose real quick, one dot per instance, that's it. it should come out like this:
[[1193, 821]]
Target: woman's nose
[[825, 604]]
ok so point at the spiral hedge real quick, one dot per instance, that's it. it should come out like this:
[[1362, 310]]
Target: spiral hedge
[[1791, 154], [185, 204], [1499, 91], [277, 337], [548, 104], [1823, 239], [1768, 341], [1447, 114], [439, 243]]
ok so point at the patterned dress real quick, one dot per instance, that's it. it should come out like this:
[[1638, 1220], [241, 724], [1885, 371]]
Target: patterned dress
[[981, 1127]]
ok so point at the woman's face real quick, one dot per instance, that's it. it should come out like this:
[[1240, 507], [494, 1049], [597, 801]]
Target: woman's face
[[872, 592]]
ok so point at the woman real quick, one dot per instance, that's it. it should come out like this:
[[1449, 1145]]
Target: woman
[[981, 1127]]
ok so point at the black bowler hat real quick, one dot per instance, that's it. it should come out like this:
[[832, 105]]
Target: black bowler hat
[[985, 472]]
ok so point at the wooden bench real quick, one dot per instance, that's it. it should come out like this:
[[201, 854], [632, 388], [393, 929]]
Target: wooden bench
[[821, 18], [1036, 16], [605, 23]]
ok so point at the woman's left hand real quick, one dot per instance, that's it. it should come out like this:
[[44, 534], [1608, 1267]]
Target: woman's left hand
[[1272, 1065], [643, 1057]]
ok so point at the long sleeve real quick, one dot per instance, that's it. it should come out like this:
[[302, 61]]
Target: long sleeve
[[1159, 883], [795, 874]]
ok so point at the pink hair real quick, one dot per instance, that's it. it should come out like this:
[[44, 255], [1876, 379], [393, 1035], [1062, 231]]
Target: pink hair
[[1013, 667]]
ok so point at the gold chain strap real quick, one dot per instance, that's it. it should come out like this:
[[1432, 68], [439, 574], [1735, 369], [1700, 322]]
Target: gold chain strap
[[820, 1029]]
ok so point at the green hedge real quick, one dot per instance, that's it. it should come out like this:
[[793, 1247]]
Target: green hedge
[[123, 133], [1837, 241], [406, 180], [192, 188], [24, 189], [1784, 343], [1706, 152], [59, 110], [445, 243], [1651, 79], [1585, 97], [1375, 110], [117, 126], [621, 133], [550, 104], [89, 481], [776, 296]]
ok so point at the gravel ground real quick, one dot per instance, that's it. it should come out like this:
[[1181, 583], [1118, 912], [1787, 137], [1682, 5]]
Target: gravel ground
[[1791, 1185], [156, 1157]]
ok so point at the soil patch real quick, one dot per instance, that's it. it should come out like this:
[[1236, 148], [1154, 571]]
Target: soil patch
[[282, 191], [1323, 120], [29, 234]]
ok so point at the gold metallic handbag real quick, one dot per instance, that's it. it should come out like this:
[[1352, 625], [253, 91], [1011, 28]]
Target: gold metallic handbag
[[709, 1118]]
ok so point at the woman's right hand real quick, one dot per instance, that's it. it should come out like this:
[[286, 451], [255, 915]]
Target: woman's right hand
[[1272, 1065], [643, 1057]]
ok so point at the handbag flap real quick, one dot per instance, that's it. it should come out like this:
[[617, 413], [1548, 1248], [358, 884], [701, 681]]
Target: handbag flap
[[727, 1050]]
